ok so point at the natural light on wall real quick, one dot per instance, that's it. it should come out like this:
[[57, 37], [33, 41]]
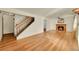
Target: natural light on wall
[[75, 27], [75, 23]]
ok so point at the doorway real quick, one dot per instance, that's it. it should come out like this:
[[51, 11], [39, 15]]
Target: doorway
[[8, 27]]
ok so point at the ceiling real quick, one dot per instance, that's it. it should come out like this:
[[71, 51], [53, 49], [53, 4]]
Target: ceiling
[[62, 13], [48, 12], [37, 11]]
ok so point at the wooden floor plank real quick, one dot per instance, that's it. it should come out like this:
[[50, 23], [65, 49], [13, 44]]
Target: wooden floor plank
[[47, 41]]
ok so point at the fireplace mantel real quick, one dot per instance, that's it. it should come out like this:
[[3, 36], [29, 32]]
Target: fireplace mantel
[[61, 27]]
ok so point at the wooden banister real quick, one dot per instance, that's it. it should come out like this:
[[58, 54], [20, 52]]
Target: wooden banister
[[23, 24], [22, 20]]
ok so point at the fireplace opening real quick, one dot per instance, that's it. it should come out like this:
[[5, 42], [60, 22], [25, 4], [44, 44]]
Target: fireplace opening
[[61, 28]]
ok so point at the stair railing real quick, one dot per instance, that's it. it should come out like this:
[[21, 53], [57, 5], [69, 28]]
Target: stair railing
[[23, 24]]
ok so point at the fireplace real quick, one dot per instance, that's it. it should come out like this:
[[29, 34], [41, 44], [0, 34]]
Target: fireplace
[[61, 27]]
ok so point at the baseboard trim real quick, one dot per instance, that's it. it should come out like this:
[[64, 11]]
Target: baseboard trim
[[29, 35], [7, 33]]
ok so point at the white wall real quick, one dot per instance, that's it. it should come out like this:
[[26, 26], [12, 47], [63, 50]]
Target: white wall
[[0, 26], [35, 28], [8, 24], [51, 24], [68, 20]]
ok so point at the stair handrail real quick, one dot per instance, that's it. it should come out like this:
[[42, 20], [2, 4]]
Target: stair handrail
[[21, 24], [22, 21]]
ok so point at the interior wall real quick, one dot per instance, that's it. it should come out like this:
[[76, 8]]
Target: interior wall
[[0, 26], [8, 24], [51, 24], [68, 21]]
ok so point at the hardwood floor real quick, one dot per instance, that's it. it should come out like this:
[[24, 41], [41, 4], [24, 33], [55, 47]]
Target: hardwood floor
[[48, 41], [9, 36]]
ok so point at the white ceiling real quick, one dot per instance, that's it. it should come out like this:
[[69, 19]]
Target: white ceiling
[[62, 13], [37, 11], [48, 12]]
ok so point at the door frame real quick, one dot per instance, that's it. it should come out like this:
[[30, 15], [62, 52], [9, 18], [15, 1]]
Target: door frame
[[3, 27]]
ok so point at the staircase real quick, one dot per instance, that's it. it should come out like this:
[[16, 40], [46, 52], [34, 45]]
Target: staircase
[[22, 25]]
